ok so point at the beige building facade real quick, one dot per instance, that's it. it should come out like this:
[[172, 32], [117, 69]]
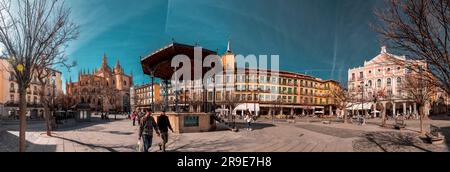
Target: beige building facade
[[9, 92]]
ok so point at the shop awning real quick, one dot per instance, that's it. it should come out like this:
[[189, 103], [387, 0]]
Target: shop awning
[[356, 106]]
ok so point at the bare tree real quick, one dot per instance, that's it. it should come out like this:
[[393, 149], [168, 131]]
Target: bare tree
[[231, 101], [343, 99], [33, 34], [421, 91], [420, 29]]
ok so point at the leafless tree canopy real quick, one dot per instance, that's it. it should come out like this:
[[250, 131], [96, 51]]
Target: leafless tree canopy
[[418, 88], [35, 34], [420, 29]]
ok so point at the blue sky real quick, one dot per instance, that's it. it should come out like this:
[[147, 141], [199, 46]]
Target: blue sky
[[323, 38]]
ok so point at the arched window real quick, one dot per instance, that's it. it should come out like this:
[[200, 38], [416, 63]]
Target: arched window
[[389, 82], [379, 83], [399, 82], [370, 83], [12, 87], [125, 83]]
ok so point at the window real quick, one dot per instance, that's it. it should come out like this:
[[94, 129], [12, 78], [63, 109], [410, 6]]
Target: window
[[361, 75], [370, 83], [379, 70], [389, 92], [191, 121], [12, 88], [11, 76], [389, 82], [398, 68], [125, 83], [11, 97], [388, 69], [370, 71], [379, 83], [399, 82], [353, 77]]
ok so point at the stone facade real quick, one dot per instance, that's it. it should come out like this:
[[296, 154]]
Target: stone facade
[[104, 89]]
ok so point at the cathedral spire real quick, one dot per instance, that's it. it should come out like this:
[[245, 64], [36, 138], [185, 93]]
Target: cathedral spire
[[118, 64], [104, 61]]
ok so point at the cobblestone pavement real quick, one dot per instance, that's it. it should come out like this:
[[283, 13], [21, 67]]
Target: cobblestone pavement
[[121, 136]]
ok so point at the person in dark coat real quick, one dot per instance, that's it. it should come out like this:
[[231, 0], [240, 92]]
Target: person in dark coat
[[164, 126]]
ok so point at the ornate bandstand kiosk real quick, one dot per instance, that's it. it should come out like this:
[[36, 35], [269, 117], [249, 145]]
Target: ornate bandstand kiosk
[[159, 65]]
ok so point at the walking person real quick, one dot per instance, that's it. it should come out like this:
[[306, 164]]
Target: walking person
[[133, 117], [249, 119], [164, 126], [147, 125]]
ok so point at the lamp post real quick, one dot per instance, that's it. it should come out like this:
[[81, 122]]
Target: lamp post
[[362, 86], [53, 95]]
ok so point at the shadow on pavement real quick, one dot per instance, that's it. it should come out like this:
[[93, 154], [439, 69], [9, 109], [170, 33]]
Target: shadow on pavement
[[72, 125], [446, 132], [9, 143], [92, 146], [202, 146], [440, 117], [390, 142], [243, 125], [119, 132]]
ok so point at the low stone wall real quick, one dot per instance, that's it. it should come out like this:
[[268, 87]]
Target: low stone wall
[[190, 122]]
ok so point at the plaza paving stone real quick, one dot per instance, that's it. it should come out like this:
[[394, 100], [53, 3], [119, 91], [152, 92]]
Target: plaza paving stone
[[121, 136]]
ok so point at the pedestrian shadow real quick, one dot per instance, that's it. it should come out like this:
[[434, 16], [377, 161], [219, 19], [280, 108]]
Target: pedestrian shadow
[[390, 142], [10, 143], [92, 146]]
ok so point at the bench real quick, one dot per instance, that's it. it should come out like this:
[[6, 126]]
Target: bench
[[435, 136], [399, 124]]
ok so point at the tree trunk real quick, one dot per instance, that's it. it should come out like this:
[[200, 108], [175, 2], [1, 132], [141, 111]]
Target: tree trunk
[[383, 118], [421, 117], [345, 117], [47, 115], [48, 122], [22, 117]]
